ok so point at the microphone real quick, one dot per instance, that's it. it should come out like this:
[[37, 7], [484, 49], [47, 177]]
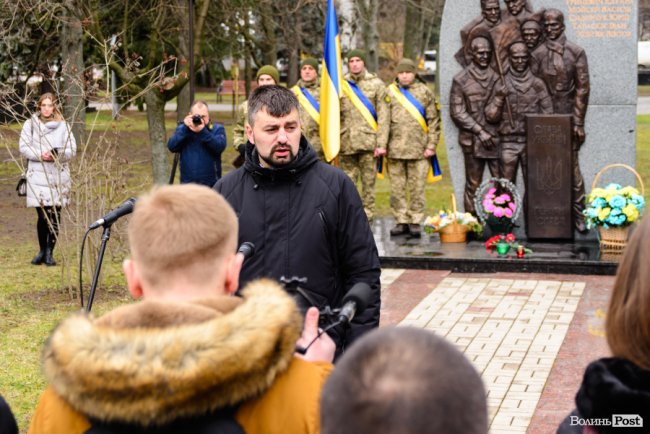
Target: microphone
[[125, 208], [355, 301], [247, 249]]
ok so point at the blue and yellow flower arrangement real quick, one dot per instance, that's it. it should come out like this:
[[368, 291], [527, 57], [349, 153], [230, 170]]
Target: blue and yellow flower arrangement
[[613, 206]]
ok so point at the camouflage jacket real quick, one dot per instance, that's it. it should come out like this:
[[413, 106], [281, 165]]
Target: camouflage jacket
[[239, 130], [405, 139], [356, 134], [309, 127]]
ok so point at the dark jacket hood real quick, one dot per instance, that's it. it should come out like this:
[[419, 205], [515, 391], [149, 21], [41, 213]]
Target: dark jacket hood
[[614, 386], [306, 158]]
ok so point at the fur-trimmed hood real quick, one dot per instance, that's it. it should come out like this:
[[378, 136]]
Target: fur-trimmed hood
[[151, 363]]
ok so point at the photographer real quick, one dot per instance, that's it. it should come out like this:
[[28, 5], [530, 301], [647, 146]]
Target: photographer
[[200, 147]]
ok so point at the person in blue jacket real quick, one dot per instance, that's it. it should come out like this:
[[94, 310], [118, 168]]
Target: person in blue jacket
[[200, 146]]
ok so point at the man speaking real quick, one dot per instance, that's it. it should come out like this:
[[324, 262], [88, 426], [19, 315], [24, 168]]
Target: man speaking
[[304, 216]]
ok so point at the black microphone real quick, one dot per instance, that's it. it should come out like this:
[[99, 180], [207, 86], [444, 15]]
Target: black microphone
[[125, 208], [355, 301], [247, 249]]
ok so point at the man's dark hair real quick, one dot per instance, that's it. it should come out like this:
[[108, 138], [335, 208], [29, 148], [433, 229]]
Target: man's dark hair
[[278, 101], [403, 380]]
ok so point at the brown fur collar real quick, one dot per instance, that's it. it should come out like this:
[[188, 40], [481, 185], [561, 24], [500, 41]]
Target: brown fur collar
[[152, 363]]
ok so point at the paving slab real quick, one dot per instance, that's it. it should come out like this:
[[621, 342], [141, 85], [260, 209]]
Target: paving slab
[[529, 335]]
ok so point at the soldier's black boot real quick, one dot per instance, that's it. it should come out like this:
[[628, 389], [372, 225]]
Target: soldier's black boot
[[399, 229], [415, 231]]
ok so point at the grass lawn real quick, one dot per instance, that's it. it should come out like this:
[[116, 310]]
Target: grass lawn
[[31, 298]]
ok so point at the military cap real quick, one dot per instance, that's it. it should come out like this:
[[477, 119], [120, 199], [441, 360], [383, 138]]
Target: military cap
[[269, 70]]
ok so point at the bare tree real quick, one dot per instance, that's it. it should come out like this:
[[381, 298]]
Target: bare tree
[[148, 33], [367, 12], [74, 107], [424, 17]]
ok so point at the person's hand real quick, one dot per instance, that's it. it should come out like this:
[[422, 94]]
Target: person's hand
[[47, 156], [486, 139], [323, 348], [189, 124], [500, 90], [380, 152], [579, 135], [428, 153]]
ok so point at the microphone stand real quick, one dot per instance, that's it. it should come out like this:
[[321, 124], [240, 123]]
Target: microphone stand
[[106, 235]]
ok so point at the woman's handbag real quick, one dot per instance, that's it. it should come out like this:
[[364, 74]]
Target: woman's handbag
[[21, 187]]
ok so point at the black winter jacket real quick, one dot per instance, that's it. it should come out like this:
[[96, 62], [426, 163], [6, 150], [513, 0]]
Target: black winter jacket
[[610, 386], [306, 220]]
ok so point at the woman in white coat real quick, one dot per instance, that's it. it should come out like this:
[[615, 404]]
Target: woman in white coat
[[48, 144]]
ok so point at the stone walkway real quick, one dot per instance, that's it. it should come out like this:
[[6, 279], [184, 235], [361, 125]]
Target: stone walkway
[[530, 336]]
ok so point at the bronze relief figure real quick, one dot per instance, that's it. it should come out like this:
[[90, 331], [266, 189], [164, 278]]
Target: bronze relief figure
[[517, 62]]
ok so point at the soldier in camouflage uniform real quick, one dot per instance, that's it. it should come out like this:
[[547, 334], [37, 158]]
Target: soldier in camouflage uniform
[[266, 75], [358, 137], [408, 148], [309, 81]]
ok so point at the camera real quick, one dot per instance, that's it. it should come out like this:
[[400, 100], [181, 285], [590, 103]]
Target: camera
[[197, 119]]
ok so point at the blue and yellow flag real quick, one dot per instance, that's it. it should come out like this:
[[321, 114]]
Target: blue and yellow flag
[[330, 87]]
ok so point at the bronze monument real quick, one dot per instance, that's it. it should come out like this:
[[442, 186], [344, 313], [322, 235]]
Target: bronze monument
[[532, 70]]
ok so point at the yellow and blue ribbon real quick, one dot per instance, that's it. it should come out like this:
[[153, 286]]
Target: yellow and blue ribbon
[[434, 174], [381, 167], [308, 102], [411, 104], [361, 103]]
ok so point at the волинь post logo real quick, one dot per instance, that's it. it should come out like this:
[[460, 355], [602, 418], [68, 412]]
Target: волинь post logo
[[617, 421]]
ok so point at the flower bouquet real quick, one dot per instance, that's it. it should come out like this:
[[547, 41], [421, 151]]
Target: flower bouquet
[[613, 209], [450, 224], [613, 206], [504, 243], [497, 204]]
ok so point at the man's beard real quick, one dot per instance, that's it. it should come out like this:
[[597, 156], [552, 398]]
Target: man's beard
[[277, 163]]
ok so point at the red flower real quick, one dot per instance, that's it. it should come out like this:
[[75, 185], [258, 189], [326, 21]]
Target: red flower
[[491, 243]]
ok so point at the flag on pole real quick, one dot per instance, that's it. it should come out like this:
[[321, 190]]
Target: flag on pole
[[330, 87]]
